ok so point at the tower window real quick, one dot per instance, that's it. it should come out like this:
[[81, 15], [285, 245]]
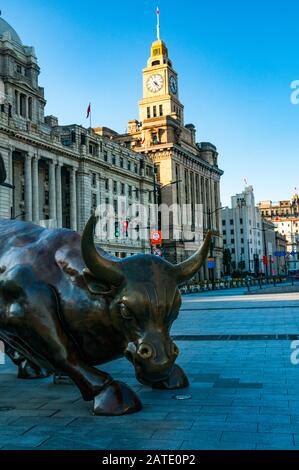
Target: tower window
[[17, 102], [156, 62], [148, 113], [30, 108], [161, 110], [155, 111], [23, 112]]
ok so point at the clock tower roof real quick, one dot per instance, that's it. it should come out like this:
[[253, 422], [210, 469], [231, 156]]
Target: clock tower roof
[[159, 54]]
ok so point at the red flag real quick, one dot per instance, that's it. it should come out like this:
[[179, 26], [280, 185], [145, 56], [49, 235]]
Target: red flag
[[88, 111]]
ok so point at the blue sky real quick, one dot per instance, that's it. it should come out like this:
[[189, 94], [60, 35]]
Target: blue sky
[[236, 61]]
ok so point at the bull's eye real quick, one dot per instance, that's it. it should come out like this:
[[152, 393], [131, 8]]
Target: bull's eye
[[125, 312]]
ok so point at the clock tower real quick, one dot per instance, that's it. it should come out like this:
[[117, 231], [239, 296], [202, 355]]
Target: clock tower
[[160, 87], [186, 171]]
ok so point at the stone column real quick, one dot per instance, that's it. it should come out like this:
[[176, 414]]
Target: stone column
[[35, 189], [28, 188], [73, 198], [58, 195], [52, 191]]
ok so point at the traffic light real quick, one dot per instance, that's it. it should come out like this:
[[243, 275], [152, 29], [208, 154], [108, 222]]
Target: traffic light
[[126, 227], [116, 232]]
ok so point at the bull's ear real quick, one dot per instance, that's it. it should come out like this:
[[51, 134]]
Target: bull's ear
[[94, 285]]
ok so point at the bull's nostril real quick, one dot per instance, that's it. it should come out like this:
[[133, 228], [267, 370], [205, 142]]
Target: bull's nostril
[[145, 351]]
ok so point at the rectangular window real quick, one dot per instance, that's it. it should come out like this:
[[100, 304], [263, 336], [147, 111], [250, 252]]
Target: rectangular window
[[186, 187], [122, 189], [94, 179], [94, 201], [161, 110], [121, 162], [105, 156], [148, 113], [107, 184], [177, 177], [155, 111], [115, 206], [115, 187]]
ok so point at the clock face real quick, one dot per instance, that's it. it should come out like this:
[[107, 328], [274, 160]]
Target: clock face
[[155, 83], [173, 85]]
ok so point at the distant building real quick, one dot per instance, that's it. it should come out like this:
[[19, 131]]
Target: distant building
[[247, 239], [281, 248], [285, 217], [60, 173]]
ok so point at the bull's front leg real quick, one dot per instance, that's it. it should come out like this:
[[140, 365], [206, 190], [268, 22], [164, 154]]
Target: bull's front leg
[[28, 307], [176, 380], [26, 368]]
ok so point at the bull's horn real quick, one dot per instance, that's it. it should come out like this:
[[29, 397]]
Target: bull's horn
[[104, 269], [187, 269]]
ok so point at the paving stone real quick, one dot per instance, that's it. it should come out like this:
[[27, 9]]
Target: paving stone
[[215, 445], [63, 443], [258, 418], [258, 438], [127, 444]]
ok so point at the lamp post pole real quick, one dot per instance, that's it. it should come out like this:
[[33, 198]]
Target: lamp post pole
[[209, 214]]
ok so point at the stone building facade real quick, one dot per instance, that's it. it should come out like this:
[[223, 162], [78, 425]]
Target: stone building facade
[[248, 237], [60, 174], [187, 171], [285, 217]]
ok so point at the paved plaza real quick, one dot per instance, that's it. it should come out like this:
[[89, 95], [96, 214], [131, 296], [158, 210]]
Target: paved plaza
[[236, 351]]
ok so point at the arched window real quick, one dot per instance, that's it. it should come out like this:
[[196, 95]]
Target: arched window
[[23, 111]]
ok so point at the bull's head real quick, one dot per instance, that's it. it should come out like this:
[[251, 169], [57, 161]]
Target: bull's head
[[146, 301]]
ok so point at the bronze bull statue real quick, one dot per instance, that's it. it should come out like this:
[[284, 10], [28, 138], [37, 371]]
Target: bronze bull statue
[[66, 306]]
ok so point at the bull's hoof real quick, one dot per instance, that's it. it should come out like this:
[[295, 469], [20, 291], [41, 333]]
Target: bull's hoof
[[29, 371], [176, 380], [116, 399]]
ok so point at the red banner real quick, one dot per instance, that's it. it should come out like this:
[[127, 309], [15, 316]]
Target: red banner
[[265, 260]]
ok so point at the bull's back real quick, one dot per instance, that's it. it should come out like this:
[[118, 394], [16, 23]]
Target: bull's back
[[46, 250]]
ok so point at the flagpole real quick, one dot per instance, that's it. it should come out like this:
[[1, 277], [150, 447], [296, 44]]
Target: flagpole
[[158, 24], [90, 117]]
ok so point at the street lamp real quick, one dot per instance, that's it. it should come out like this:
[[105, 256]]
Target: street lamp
[[209, 214]]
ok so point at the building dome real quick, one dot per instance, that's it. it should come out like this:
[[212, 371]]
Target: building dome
[[6, 28]]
